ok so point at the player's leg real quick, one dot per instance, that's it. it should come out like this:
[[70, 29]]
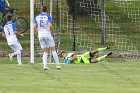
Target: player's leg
[[43, 45], [45, 57], [55, 57], [51, 44], [99, 50], [95, 60], [17, 51]]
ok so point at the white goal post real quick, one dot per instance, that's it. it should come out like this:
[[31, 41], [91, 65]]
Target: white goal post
[[31, 31]]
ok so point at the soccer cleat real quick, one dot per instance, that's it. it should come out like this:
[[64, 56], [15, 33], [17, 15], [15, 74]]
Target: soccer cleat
[[58, 67], [19, 64], [11, 57], [46, 68], [110, 53], [108, 47]]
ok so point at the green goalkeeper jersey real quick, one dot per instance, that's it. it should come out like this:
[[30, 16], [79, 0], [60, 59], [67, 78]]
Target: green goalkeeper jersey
[[78, 58], [81, 58]]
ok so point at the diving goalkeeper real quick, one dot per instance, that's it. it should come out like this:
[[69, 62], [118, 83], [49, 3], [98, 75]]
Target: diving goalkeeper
[[88, 57]]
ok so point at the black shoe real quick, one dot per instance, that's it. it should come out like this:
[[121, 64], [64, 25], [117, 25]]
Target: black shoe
[[110, 53], [108, 47]]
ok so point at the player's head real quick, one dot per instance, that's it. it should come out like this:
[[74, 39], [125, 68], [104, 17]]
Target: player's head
[[63, 54], [9, 17], [44, 9]]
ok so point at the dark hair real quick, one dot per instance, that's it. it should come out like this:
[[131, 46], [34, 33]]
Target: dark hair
[[9, 17], [61, 53], [44, 9]]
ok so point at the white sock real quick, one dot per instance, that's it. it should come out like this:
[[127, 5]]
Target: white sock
[[18, 52], [19, 58], [55, 56], [45, 56]]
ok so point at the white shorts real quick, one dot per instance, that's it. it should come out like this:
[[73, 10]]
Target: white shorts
[[46, 42], [16, 47]]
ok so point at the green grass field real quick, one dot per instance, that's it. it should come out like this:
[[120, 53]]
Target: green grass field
[[81, 78], [116, 76]]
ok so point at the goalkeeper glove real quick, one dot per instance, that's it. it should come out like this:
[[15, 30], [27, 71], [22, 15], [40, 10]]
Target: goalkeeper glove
[[67, 60]]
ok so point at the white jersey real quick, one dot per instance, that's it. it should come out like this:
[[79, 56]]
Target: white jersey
[[42, 21], [9, 29]]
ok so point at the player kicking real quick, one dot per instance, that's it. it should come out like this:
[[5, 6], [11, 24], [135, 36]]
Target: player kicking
[[42, 28], [9, 32], [88, 57]]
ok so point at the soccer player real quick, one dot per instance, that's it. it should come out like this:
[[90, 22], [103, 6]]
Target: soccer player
[[88, 57], [9, 32], [43, 28]]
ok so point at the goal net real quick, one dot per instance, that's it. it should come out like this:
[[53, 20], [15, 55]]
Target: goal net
[[80, 26], [122, 18]]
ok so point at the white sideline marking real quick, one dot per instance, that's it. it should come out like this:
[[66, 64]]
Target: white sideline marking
[[54, 63], [47, 63]]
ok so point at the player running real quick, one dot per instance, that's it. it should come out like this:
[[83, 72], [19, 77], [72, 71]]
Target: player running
[[42, 27], [88, 57], [9, 32]]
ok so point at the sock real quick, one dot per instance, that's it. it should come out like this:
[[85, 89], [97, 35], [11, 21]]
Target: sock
[[101, 49], [19, 58], [18, 52], [101, 58], [45, 56], [55, 56]]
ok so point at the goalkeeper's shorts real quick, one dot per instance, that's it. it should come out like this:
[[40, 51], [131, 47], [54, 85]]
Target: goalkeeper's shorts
[[85, 57]]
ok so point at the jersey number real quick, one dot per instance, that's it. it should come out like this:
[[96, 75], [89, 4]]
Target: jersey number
[[42, 25], [8, 31]]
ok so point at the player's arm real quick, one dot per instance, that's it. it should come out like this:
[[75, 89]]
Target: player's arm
[[3, 35], [74, 57], [69, 60], [18, 34], [50, 24], [35, 28], [51, 27]]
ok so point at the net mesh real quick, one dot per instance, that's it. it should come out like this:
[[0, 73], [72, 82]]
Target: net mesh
[[87, 35]]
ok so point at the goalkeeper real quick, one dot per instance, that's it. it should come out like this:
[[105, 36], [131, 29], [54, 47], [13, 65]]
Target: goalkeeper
[[88, 57]]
